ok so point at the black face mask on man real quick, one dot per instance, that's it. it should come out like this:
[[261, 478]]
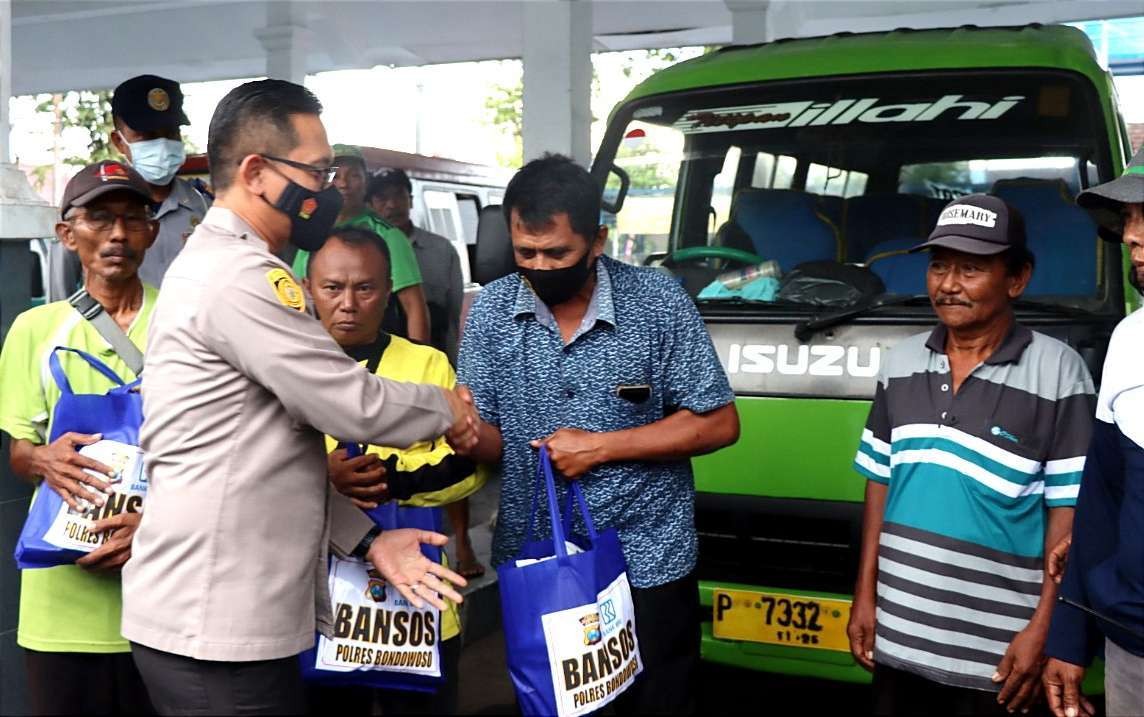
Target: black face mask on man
[[312, 214], [555, 286]]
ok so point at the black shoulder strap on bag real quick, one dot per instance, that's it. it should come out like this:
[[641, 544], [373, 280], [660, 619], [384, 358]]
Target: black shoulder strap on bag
[[105, 326]]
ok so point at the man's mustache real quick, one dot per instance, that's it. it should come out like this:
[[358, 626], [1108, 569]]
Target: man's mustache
[[119, 250], [948, 301]]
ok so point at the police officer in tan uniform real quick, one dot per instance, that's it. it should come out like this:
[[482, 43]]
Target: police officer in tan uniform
[[228, 574]]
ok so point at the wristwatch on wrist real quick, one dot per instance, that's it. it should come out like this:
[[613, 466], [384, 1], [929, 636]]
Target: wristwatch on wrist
[[362, 548]]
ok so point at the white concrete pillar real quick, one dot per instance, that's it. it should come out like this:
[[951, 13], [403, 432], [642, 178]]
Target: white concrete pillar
[[286, 41], [557, 78], [5, 75], [748, 21], [23, 214], [787, 18]]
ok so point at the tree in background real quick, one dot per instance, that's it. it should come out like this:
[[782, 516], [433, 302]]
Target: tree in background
[[86, 111], [505, 110]]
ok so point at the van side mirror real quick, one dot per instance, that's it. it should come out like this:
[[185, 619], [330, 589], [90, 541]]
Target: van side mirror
[[493, 256]]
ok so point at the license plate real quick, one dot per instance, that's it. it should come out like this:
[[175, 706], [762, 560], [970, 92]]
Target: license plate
[[778, 619]]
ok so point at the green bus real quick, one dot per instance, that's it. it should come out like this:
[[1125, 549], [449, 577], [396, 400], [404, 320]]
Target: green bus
[[835, 151]]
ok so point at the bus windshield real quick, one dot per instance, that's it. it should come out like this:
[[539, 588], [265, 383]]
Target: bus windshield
[[810, 193]]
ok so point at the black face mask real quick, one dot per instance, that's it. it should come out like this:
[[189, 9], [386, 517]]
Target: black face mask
[[555, 286], [312, 214]]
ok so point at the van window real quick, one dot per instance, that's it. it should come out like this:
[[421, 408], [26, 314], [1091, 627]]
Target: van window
[[470, 207], [950, 180], [439, 205]]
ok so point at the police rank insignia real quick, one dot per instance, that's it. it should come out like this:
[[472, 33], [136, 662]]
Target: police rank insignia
[[158, 100], [286, 289]]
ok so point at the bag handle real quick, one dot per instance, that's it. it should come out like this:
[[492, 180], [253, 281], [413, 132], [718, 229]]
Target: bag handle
[[62, 379], [561, 526]]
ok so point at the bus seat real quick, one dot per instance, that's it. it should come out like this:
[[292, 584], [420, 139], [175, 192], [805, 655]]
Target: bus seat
[[1061, 235], [901, 272], [786, 226], [870, 219], [832, 208], [932, 208]]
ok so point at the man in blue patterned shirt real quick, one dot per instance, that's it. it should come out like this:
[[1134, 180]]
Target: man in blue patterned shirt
[[611, 367]]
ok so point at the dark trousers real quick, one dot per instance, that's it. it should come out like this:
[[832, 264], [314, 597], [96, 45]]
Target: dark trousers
[[667, 626], [897, 692], [185, 686], [350, 701], [85, 683]]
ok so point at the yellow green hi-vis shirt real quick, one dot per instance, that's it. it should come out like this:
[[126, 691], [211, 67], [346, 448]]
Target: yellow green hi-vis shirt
[[403, 360], [62, 609]]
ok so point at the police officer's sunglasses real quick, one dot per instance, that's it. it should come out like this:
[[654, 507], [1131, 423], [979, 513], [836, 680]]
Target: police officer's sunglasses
[[325, 175]]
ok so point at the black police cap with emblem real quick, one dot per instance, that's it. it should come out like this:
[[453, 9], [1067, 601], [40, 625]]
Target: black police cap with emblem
[[149, 103]]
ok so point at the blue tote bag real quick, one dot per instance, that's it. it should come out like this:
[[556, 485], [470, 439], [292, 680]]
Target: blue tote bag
[[53, 534], [569, 620], [380, 640]]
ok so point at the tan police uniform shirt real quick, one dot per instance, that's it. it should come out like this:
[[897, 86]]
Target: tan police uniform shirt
[[240, 384]]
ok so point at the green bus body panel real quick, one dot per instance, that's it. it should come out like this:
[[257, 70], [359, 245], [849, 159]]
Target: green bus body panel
[[789, 448], [1054, 46]]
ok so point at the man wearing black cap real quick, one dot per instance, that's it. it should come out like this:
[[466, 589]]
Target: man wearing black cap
[[77, 660], [973, 454], [1102, 591], [148, 111]]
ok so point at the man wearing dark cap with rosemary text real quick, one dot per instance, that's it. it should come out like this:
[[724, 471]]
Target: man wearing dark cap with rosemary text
[[1102, 592], [973, 453], [148, 114], [77, 659]]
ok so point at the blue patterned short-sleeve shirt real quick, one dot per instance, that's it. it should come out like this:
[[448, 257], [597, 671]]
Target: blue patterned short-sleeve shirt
[[640, 329]]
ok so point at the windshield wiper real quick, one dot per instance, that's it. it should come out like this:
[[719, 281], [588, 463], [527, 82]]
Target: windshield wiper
[[806, 329], [1051, 308]]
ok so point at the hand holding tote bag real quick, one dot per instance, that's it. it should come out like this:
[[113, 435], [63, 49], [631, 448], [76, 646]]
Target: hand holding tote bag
[[54, 534], [380, 640], [569, 620]]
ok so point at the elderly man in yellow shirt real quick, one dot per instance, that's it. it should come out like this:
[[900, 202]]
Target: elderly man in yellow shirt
[[349, 279]]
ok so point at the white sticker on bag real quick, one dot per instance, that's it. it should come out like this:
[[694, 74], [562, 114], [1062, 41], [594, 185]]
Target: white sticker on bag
[[375, 627], [74, 530], [593, 651]]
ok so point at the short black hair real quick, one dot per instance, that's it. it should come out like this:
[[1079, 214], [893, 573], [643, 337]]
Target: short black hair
[[387, 178], [552, 185], [356, 236], [255, 118]]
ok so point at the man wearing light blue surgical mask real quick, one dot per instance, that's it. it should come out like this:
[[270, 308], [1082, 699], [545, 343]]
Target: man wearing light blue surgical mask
[[148, 114]]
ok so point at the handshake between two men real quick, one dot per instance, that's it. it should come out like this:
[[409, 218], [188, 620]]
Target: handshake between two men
[[368, 481]]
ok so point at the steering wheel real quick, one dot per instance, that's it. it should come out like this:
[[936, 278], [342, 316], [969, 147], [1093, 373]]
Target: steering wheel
[[684, 264], [700, 253]]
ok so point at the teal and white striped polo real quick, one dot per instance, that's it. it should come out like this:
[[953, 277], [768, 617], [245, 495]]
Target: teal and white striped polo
[[970, 477]]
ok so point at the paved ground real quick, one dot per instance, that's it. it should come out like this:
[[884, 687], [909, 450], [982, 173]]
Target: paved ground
[[485, 689]]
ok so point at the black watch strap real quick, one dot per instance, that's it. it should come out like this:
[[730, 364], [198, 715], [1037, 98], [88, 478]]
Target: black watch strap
[[363, 547]]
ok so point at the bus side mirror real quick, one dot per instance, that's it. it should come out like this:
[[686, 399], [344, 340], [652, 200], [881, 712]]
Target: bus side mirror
[[493, 256], [613, 200]]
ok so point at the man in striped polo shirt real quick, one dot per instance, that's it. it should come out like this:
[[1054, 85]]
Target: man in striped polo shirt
[[973, 453]]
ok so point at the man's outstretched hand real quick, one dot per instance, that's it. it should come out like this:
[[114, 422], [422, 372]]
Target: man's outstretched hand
[[397, 556]]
